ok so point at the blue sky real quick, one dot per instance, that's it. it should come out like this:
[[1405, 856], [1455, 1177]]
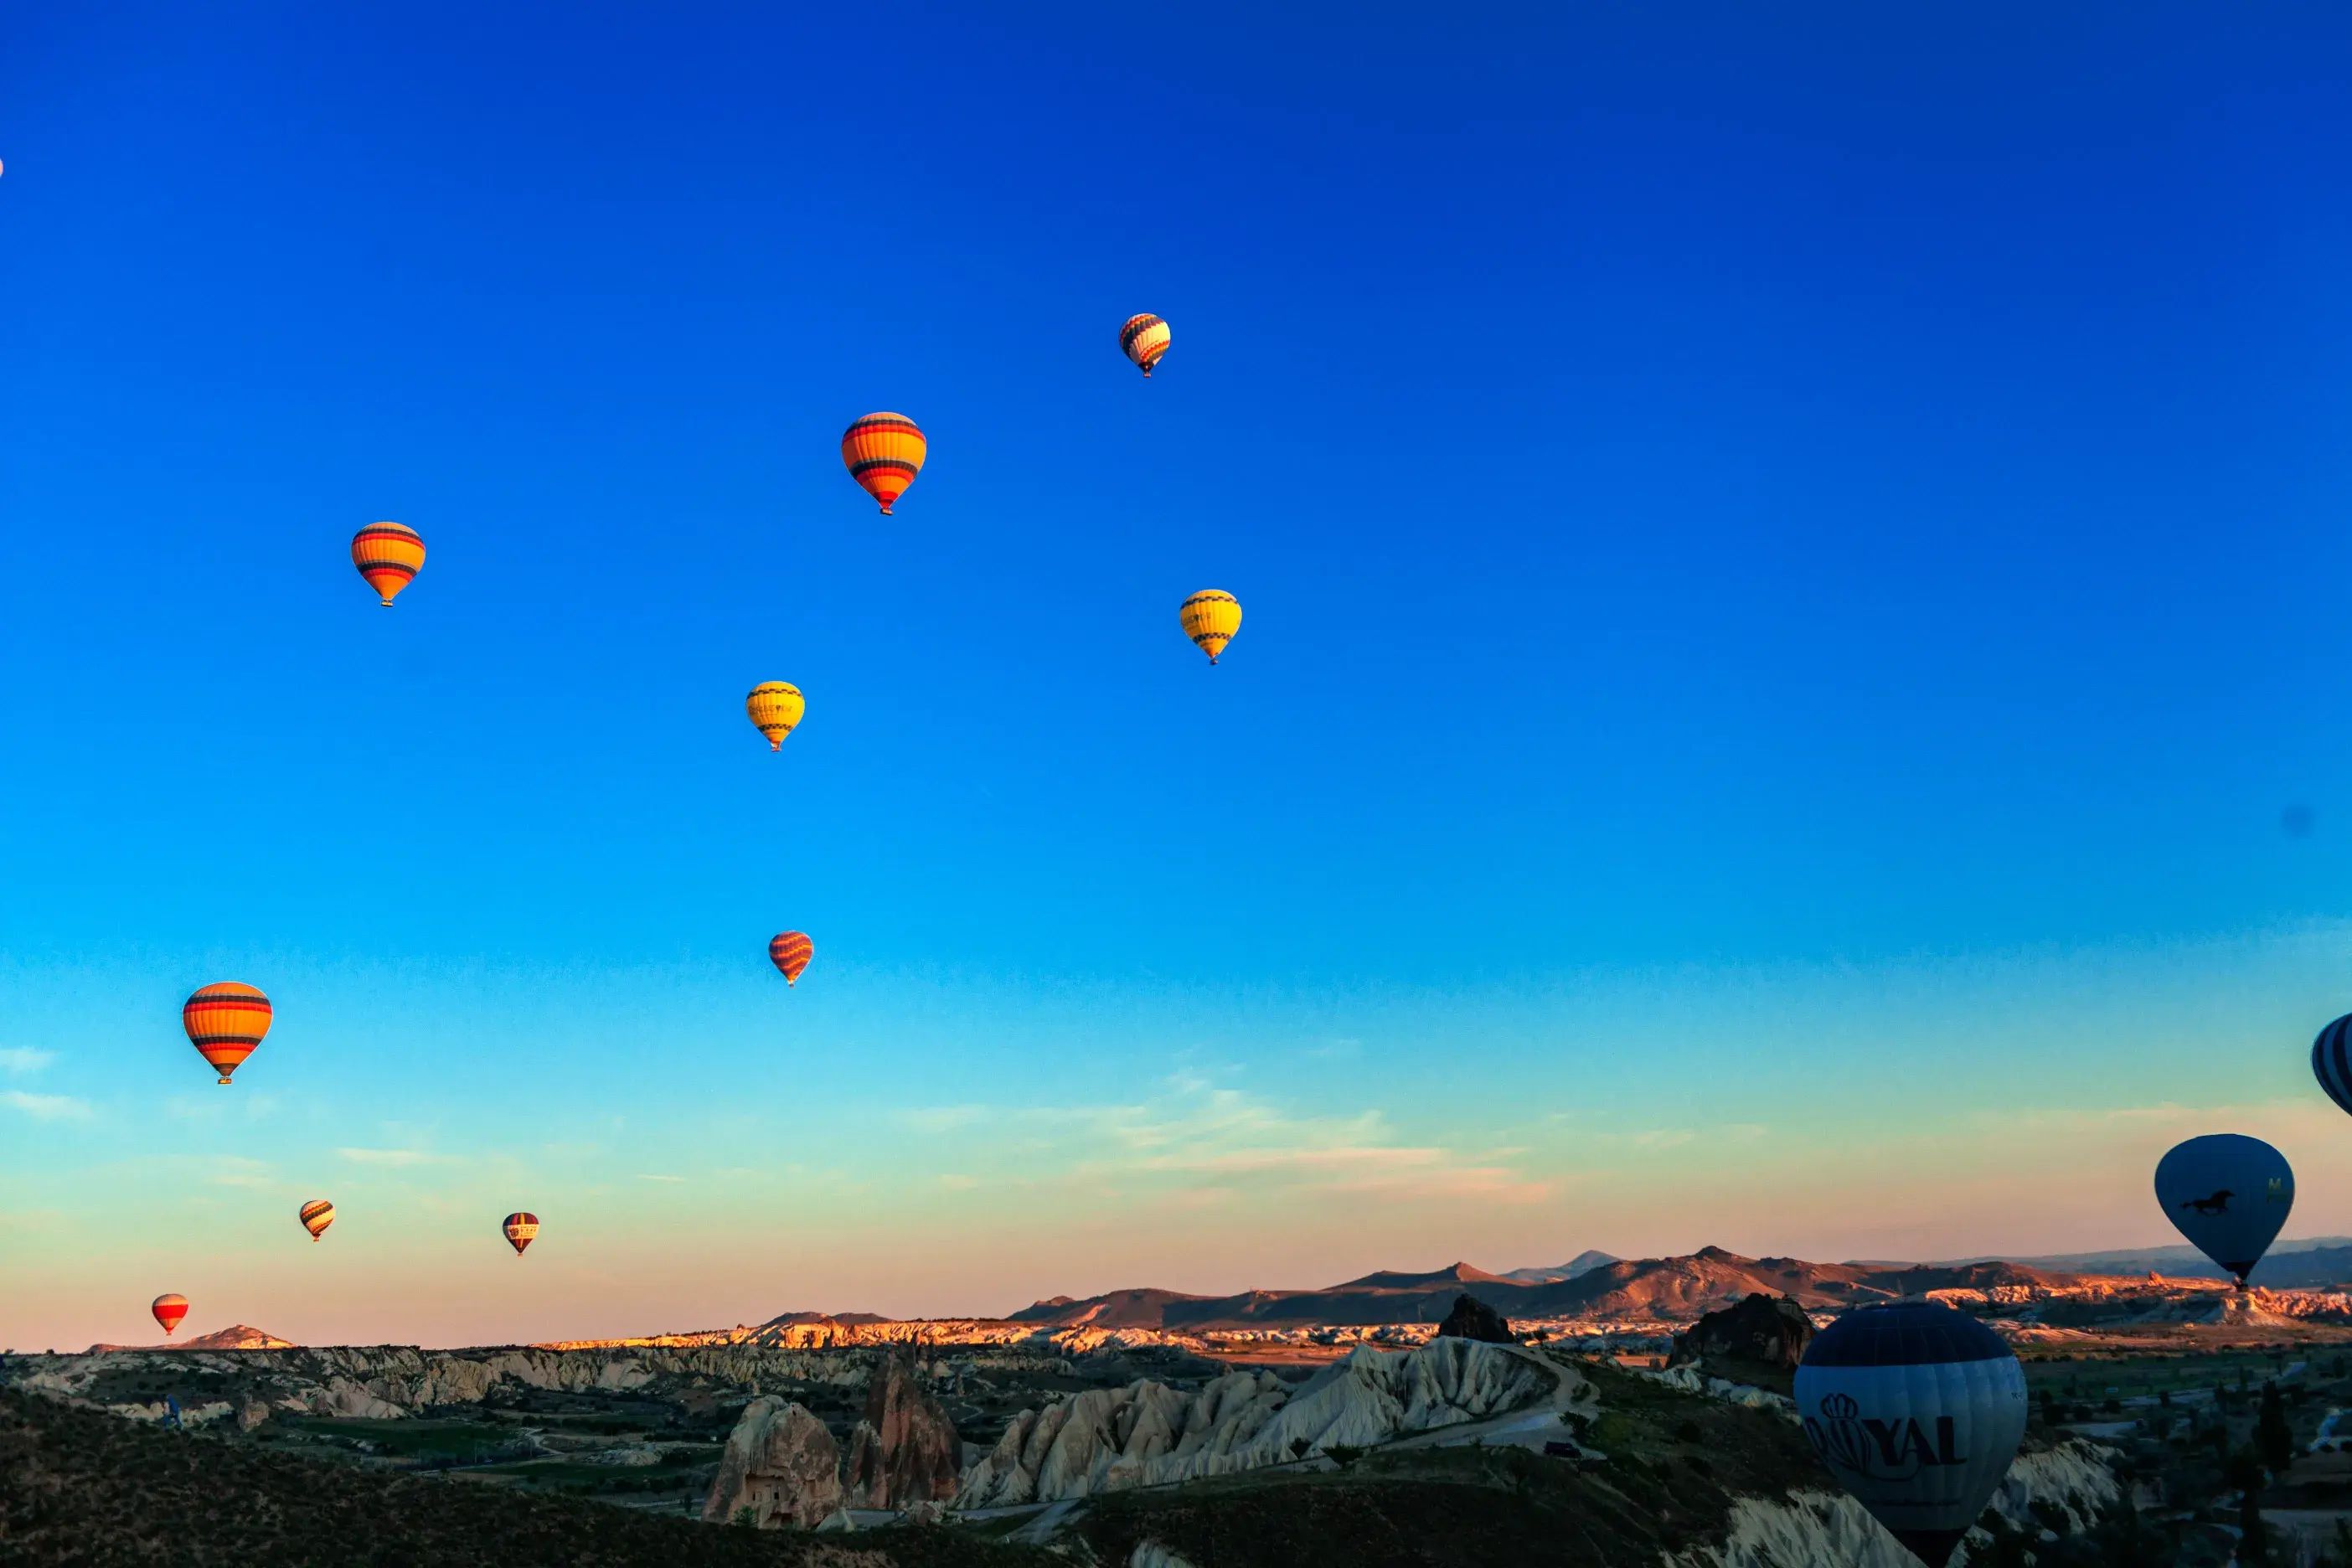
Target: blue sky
[[1792, 571]]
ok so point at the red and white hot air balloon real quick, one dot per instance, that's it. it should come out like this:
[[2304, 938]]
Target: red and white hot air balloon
[[169, 1309]]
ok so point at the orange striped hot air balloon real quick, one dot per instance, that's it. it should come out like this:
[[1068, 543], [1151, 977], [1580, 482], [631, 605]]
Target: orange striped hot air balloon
[[520, 1229], [1210, 618], [884, 452], [317, 1215], [224, 1022], [387, 554], [790, 952], [1143, 339], [169, 1309]]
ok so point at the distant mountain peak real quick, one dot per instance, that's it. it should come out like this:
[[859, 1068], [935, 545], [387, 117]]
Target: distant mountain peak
[[1456, 1273], [235, 1337]]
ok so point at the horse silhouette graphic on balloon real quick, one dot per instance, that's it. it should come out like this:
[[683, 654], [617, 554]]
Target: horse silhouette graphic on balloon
[[2217, 1204]]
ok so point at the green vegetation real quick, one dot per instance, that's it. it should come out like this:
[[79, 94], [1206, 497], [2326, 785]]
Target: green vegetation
[[85, 1486]]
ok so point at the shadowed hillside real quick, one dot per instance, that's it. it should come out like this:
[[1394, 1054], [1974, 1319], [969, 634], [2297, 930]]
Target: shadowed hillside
[[84, 1487], [1680, 1288]]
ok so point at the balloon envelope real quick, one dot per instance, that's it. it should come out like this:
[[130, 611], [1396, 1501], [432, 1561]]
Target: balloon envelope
[[225, 1023], [1143, 339], [789, 952], [388, 555], [520, 1229], [774, 707], [2228, 1195], [1210, 618], [2331, 1062], [317, 1215], [884, 452], [169, 1308], [1917, 1410]]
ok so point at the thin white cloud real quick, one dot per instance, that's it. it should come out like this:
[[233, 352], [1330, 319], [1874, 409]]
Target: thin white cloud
[[395, 1157], [1198, 1137], [48, 1107], [236, 1171], [16, 1060], [643, 1176], [943, 1118]]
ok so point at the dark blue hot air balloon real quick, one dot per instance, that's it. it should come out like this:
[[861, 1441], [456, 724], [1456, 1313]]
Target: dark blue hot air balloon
[[2331, 1062], [1917, 1410], [2228, 1195]]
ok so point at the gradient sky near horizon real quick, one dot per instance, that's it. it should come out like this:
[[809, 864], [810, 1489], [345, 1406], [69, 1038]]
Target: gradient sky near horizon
[[1794, 692]]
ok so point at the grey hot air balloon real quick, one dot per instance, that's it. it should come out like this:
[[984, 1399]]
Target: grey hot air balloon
[[2228, 1195], [1917, 1410]]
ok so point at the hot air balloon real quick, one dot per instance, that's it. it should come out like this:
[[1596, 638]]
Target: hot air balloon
[[1210, 618], [790, 952], [520, 1228], [884, 452], [387, 554], [2331, 1061], [169, 1309], [776, 706], [2228, 1195], [224, 1022], [317, 1215], [1143, 339], [1917, 1410]]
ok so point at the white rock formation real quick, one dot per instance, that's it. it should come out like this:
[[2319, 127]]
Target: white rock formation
[[781, 1464], [1152, 1554], [1690, 1379], [386, 1382], [1824, 1529], [1147, 1434]]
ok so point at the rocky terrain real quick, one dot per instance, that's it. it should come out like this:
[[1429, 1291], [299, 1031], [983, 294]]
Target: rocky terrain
[[1654, 1289], [235, 1337], [1129, 1443], [1759, 1333], [69, 1478], [1148, 1434]]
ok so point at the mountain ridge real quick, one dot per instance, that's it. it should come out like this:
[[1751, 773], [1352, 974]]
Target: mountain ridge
[[1677, 1287]]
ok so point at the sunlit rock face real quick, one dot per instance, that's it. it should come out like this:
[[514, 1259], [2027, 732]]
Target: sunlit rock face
[[905, 1450], [1764, 1330], [781, 1465]]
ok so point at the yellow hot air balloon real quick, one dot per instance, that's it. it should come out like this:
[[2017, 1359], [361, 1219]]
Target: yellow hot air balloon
[[776, 706], [884, 452], [1210, 618], [316, 1217], [1143, 339]]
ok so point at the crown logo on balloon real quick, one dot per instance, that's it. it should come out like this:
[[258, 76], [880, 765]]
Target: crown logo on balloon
[[1840, 1408]]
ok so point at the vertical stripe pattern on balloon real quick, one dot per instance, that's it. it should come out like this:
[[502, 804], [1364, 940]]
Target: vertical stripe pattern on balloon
[[1210, 618], [884, 452], [1143, 339], [225, 1023], [521, 1230], [2331, 1062], [387, 554]]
